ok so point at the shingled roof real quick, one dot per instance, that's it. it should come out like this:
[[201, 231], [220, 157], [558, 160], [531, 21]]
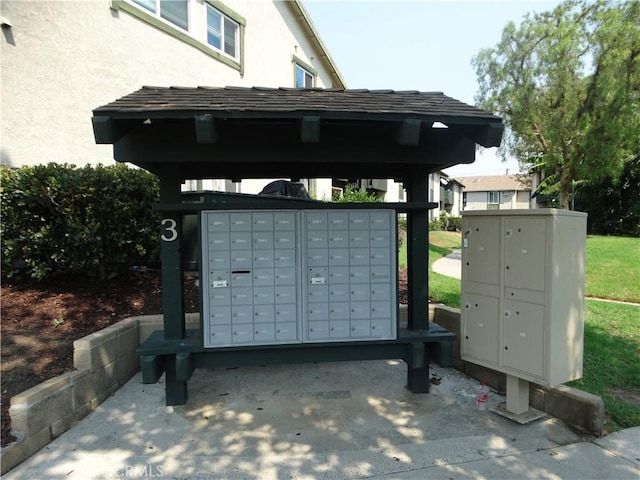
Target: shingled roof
[[492, 183], [275, 102], [258, 132]]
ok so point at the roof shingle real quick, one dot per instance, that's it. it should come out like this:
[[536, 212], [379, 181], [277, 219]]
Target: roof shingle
[[492, 183], [259, 100]]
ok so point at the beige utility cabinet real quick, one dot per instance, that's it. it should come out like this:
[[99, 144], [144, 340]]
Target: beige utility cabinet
[[523, 292]]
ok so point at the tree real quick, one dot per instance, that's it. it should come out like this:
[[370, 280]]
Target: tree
[[612, 203], [567, 83]]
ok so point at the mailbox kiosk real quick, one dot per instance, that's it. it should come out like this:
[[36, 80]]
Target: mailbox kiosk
[[288, 280]]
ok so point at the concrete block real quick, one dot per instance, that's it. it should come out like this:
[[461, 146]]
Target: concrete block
[[107, 378], [128, 337], [39, 407], [127, 366], [60, 426], [96, 350], [41, 391], [19, 451], [575, 407], [85, 388]]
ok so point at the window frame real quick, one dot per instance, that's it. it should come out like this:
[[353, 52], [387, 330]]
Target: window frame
[[305, 67], [493, 205], [210, 4], [489, 194], [157, 13], [188, 37]]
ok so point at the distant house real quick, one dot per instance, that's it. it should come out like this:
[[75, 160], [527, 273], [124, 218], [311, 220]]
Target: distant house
[[450, 195], [60, 60], [494, 192], [443, 190]]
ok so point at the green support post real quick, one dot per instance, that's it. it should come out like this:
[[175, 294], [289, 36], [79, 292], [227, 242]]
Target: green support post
[[175, 390], [172, 280], [418, 252], [418, 368], [172, 274]]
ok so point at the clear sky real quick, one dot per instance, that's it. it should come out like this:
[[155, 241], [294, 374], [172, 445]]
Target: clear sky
[[418, 45]]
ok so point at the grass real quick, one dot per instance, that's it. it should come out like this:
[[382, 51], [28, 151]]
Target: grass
[[613, 268], [612, 361], [611, 330], [442, 289]]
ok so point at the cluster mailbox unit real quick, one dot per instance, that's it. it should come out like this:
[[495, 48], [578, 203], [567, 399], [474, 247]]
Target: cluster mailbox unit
[[523, 296], [278, 277]]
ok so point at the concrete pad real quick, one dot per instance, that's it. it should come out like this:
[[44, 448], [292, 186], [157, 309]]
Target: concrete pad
[[582, 461], [625, 443], [331, 420]]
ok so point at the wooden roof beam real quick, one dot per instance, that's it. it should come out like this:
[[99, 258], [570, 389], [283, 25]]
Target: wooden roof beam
[[206, 131], [408, 132], [106, 130], [310, 129]]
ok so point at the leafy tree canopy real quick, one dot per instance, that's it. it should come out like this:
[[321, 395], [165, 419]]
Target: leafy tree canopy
[[567, 83]]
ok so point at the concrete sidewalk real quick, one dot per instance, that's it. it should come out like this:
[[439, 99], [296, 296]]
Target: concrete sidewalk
[[450, 265], [322, 421]]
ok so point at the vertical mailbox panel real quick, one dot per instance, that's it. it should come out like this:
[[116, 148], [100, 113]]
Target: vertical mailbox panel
[[351, 257], [275, 277], [251, 269]]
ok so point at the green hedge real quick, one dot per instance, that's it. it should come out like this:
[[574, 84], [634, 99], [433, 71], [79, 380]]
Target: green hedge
[[59, 219], [446, 223]]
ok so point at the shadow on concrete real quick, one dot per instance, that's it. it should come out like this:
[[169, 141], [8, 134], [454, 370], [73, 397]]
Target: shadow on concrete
[[312, 421]]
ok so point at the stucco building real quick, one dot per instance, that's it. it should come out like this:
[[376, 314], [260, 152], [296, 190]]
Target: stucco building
[[495, 192], [61, 59]]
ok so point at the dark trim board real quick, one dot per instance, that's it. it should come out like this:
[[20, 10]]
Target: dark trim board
[[179, 358]]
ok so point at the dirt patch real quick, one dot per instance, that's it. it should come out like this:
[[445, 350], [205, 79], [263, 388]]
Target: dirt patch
[[41, 320], [626, 395]]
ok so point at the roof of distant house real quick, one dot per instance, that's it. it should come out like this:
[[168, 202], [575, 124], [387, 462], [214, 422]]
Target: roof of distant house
[[492, 183]]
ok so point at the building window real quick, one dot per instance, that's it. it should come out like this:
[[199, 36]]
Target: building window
[[209, 25], [173, 11], [493, 200], [304, 79], [222, 32], [464, 200], [304, 75]]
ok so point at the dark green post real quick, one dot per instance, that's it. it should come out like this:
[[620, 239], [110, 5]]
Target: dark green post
[[172, 275], [418, 251], [172, 280]]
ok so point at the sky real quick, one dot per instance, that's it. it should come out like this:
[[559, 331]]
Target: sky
[[419, 45]]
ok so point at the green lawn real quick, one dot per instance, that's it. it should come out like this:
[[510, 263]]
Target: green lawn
[[613, 268], [611, 331]]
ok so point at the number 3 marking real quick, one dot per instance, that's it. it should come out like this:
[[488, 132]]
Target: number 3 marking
[[170, 225]]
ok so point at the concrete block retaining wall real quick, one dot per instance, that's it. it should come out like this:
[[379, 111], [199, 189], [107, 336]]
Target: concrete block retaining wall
[[106, 359]]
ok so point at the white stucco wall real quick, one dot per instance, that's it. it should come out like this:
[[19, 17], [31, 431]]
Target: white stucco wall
[[60, 60], [508, 200]]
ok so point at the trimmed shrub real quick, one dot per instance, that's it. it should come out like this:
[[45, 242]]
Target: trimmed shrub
[[352, 194], [446, 223], [59, 219]]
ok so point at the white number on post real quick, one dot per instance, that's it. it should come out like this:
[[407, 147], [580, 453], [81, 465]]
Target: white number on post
[[171, 232]]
